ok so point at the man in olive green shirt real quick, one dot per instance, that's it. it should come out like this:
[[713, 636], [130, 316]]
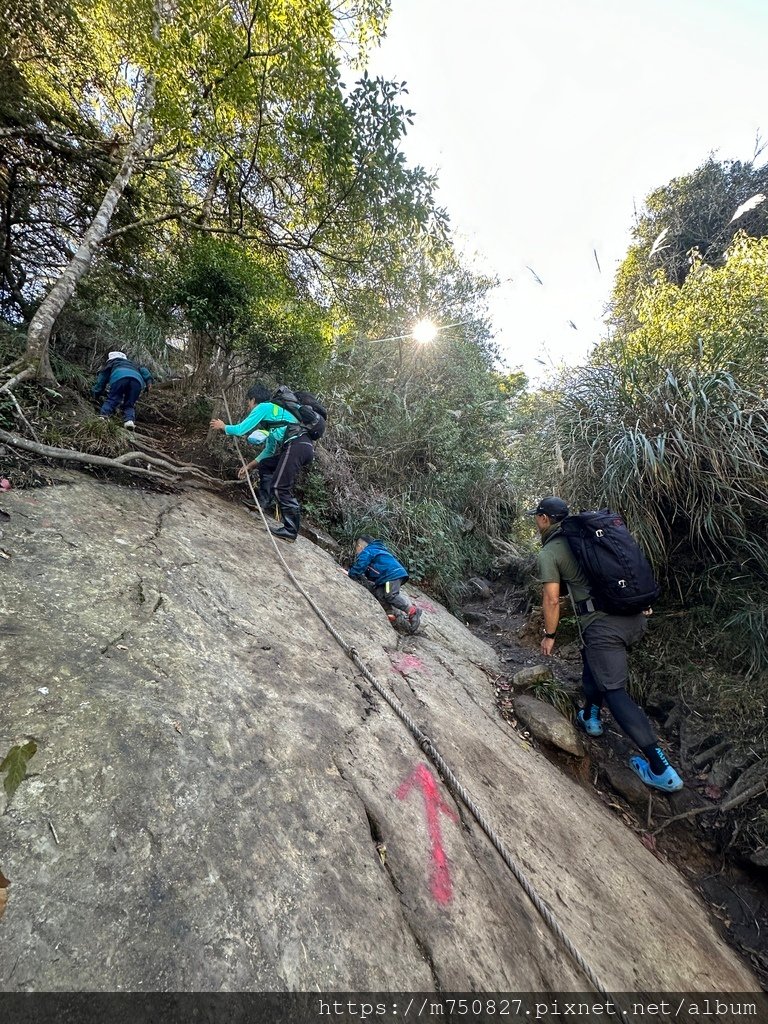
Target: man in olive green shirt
[[606, 639]]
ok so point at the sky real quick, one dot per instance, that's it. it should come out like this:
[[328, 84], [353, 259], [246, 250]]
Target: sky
[[548, 122]]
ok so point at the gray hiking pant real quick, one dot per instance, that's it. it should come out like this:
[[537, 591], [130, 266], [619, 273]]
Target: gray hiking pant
[[388, 595], [606, 643], [606, 672]]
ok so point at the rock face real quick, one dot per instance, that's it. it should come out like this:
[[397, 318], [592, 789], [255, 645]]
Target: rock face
[[548, 725], [235, 809]]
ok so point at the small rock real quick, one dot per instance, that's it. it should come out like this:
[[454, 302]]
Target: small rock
[[476, 618], [480, 587], [532, 674], [726, 767], [759, 857], [686, 800], [627, 784], [548, 725]]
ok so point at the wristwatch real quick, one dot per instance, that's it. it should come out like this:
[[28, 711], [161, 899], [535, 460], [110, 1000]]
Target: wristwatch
[[549, 636]]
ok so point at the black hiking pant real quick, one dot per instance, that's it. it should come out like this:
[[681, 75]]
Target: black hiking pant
[[606, 673], [277, 478]]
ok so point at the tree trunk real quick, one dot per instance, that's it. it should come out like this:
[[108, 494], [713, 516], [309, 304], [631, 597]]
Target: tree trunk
[[37, 354]]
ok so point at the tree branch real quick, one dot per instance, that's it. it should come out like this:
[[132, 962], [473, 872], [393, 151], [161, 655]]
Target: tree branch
[[726, 805]]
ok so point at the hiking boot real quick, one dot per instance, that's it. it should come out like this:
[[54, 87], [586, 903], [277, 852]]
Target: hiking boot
[[283, 533], [668, 782], [414, 619], [129, 425], [289, 528], [592, 726]]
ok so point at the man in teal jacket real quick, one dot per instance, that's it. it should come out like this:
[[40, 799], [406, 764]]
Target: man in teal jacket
[[287, 449]]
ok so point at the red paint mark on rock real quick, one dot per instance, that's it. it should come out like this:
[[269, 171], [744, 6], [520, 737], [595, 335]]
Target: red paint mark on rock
[[425, 605], [405, 663], [440, 882]]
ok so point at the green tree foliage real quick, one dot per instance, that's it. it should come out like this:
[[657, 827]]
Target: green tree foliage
[[206, 119], [671, 427], [693, 213], [240, 314], [415, 452], [716, 320]]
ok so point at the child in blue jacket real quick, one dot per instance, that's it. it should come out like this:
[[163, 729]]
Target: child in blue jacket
[[124, 381], [380, 572]]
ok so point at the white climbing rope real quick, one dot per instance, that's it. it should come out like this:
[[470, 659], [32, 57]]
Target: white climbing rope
[[437, 759]]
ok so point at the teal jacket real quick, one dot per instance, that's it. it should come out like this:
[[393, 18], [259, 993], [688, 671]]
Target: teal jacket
[[117, 370], [268, 416]]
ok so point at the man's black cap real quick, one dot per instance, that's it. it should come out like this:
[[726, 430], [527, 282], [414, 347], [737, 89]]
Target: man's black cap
[[553, 507]]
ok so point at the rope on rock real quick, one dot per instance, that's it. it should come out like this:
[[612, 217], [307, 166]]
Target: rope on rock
[[436, 757]]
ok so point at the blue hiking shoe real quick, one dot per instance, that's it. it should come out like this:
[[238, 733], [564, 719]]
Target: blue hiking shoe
[[592, 726], [668, 782]]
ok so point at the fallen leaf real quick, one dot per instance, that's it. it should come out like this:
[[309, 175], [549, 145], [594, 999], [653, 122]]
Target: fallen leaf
[[15, 765], [648, 841], [121, 647], [4, 554], [382, 851], [713, 792], [177, 727]]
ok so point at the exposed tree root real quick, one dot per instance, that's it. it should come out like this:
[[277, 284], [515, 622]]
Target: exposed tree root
[[20, 413], [721, 808], [165, 470], [26, 374]]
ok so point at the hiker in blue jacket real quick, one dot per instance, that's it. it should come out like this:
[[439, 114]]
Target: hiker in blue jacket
[[124, 381], [286, 450], [380, 572]]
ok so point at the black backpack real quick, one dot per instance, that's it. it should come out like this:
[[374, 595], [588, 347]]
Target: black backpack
[[310, 413], [620, 578]]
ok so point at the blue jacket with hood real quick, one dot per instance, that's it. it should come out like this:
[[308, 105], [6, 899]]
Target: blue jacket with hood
[[377, 564]]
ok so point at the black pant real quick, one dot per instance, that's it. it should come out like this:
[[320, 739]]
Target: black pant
[[278, 474]]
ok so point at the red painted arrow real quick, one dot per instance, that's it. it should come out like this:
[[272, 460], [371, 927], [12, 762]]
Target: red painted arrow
[[421, 776]]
